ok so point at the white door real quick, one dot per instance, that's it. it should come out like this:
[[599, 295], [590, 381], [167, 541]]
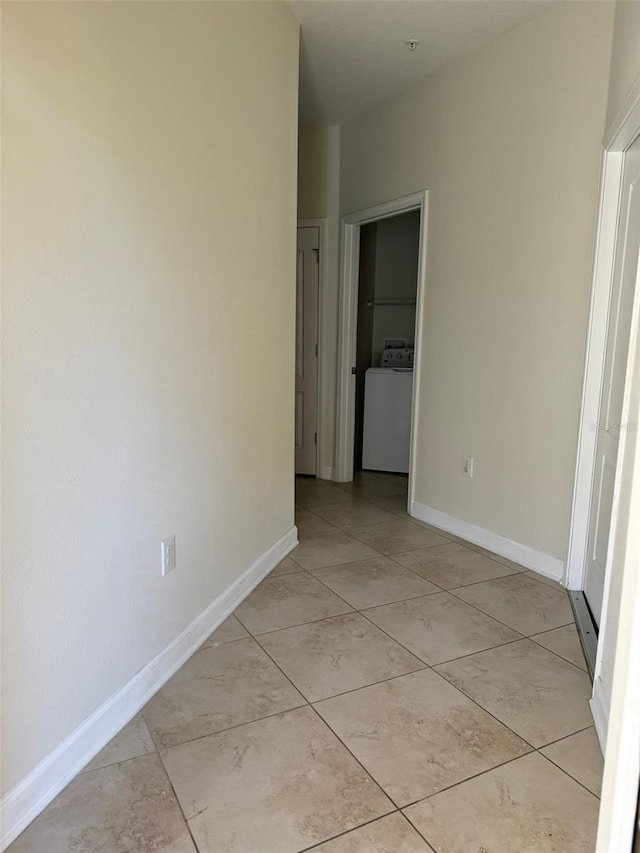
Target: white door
[[306, 409], [609, 426]]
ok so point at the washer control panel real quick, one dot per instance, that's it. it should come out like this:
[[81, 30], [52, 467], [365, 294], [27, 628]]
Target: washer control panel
[[398, 357]]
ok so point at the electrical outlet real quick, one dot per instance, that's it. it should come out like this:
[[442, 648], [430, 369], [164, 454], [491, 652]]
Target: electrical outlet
[[467, 466], [168, 554]]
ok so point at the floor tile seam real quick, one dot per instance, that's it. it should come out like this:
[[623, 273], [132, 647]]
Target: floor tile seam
[[477, 702], [165, 770], [558, 588], [430, 665], [565, 737], [484, 613], [482, 708], [348, 527], [419, 831], [549, 630], [353, 690], [346, 562], [300, 624], [338, 504], [368, 773], [217, 732], [480, 549], [558, 655], [566, 773], [371, 622], [386, 603], [349, 530], [433, 669], [347, 831], [459, 783], [122, 761], [413, 571], [513, 572], [480, 610], [472, 583], [421, 668], [515, 575]]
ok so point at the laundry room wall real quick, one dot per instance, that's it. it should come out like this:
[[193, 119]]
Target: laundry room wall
[[396, 280], [507, 141]]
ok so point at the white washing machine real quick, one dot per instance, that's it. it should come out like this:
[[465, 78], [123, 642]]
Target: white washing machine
[[388, 394]]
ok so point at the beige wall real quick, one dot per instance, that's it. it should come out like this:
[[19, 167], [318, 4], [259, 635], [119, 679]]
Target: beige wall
[[149, 209], [313, 143], [625, 58], [507, 141]]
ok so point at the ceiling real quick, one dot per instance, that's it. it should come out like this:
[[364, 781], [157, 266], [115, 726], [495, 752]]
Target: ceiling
[[354, 54]]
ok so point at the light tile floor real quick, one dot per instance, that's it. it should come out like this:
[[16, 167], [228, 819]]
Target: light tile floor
[[387, 689]]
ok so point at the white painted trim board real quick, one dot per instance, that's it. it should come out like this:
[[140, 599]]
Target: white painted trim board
[[348, 322], [31, 795], [538, 561]]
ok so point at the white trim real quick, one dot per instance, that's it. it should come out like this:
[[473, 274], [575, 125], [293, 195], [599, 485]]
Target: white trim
[[321, 381], [326, 473], [616, 717], [348, 319], [385, 209], [347, 324], [32, 794], [622, 132], [594, 368], [621, 710], [599, 712], [544, 564], [417, 365]]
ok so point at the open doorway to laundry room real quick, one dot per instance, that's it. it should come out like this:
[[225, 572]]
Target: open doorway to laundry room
[[385, 341], [383, 263]]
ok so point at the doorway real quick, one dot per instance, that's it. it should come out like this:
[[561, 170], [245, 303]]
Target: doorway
[[601, 427], [306, 357], [385, 340], [609, 425], [357, 293]]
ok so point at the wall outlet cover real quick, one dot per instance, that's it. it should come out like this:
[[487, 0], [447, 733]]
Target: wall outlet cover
[[168, 552]]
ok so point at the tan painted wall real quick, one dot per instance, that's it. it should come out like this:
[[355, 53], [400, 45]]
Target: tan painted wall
[[312, 172], [507, 141], [625, 58], [149, 209]]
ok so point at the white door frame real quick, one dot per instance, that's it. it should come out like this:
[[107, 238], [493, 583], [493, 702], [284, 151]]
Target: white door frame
[[619, 798], [348, 323], [321, 225], [618, 725], [622, 132]]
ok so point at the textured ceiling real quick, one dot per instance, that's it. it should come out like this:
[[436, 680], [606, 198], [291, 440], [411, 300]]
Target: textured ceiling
[[354, 56]]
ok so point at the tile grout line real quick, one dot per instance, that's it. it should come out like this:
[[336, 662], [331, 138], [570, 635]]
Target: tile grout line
[[566, 772], [432, 668], [322, 720], [368, 773], [171, 785], [421, 668], [347, 831]]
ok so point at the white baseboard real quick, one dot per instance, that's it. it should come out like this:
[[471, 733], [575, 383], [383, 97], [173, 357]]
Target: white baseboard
[[600, 712], [325, 473], [32, 794], [544, 564]]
